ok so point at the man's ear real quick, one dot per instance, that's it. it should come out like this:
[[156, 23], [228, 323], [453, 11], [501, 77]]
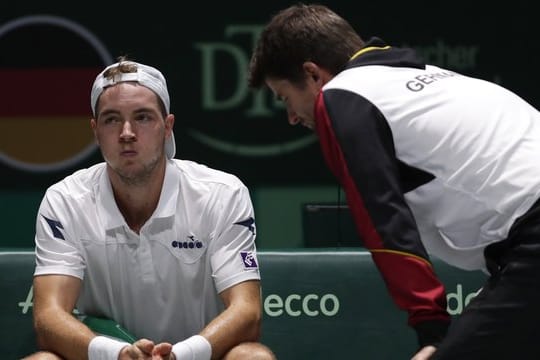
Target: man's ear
[[93, 125], [319, 75], [169, 122], [312, 71]]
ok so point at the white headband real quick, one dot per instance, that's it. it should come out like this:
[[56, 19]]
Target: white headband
[[147, 76]]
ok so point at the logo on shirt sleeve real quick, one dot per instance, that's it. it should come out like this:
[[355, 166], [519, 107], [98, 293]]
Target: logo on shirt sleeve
[[249, 259], [56, 227], [249, 223]]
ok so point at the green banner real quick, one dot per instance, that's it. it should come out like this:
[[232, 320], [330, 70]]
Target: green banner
[[317, 305]]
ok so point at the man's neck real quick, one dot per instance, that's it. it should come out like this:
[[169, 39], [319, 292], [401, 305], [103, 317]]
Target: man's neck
[[137, 202]]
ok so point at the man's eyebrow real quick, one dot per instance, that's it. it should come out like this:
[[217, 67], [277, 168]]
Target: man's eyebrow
[[143, 110], [116, 112], [108, 112]]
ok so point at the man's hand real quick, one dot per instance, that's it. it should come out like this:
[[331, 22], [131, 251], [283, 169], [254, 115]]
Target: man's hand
[[145, 349], [425, 353], [163, 352], [139, 350]]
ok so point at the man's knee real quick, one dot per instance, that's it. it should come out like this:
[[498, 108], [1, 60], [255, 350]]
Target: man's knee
[[251, 351], [43, 355]]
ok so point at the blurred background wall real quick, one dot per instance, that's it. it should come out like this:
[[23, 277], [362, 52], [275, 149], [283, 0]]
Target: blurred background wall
[[50, 54]]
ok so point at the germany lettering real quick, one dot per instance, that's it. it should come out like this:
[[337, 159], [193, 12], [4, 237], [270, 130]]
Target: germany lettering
[[421, 81]]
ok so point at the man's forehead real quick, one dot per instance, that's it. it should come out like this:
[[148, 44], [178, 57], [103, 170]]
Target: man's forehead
[[126, 93]]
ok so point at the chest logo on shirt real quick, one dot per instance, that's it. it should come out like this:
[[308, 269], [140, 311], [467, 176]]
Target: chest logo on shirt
[[192, 243], [249, 259]]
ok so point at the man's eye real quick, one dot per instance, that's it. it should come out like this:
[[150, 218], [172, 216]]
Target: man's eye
[[110, 120], [143, 117]]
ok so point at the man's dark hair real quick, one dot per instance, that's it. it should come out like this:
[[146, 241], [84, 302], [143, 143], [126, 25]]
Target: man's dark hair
[[298, 34]]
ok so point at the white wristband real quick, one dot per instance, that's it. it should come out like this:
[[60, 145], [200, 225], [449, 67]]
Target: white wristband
[[193, 348], [105, 348]]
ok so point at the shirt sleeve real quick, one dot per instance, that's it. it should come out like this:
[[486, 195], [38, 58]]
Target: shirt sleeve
[[233, 251], [55, 252]]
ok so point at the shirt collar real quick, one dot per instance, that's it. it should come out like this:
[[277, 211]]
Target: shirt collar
[[108, 211]]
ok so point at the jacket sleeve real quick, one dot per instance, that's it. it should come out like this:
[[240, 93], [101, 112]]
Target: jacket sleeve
[[358, 147]]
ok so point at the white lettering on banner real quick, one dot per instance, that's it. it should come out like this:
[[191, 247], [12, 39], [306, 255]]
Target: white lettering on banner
[[294, 305], [27, 303], [456, 302]]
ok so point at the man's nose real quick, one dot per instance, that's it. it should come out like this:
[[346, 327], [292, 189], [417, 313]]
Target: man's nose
[[293, 118], [127, 131]]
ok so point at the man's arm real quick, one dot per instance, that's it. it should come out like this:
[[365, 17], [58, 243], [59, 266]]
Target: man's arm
[[362, 155], [239, 322], [56, 328], [60, 332]]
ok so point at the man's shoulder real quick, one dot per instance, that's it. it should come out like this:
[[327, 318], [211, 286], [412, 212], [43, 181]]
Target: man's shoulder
[[194, 171], [79, 181]]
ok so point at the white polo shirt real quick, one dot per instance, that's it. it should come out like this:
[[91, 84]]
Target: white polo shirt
[[163, 283]]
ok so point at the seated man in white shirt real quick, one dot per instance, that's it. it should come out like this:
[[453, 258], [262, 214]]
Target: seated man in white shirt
[[164, 247]]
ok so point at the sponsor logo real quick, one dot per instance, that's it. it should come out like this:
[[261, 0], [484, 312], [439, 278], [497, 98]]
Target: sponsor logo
[[235, 51], [296, 305], [457, 301], [27, 303], [311, 305], [191, 243], [249, 259]]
